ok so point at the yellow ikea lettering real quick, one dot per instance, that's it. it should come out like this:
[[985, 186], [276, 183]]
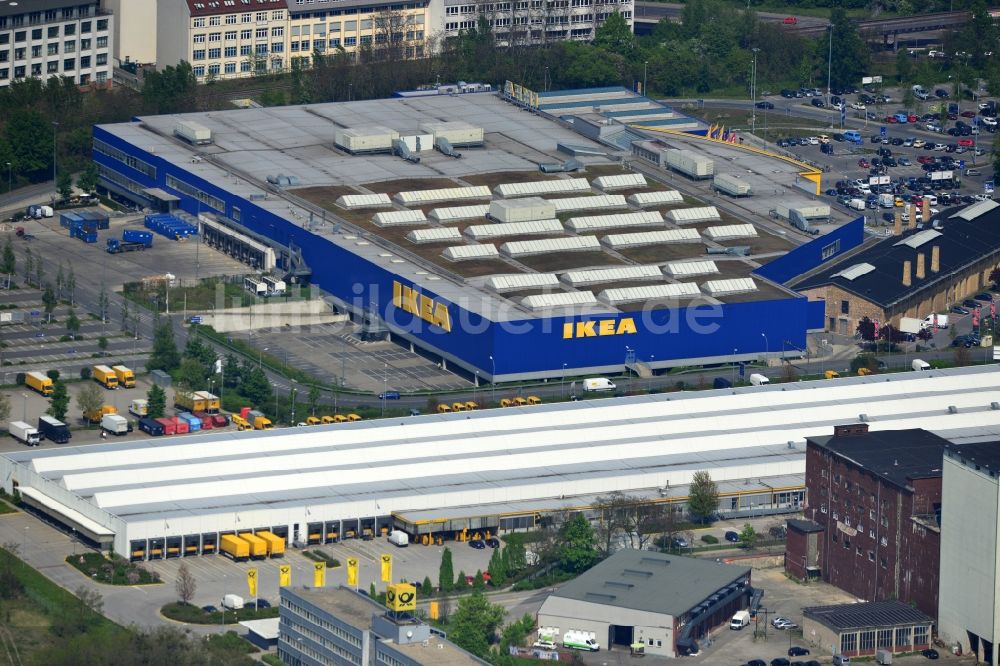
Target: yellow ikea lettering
[[410, 300], [589, 329]]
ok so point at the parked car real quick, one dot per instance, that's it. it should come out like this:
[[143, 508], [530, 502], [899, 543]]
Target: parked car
[[477, 544], [985, 296], [796, 651], [790, 20], [765, 105], [732, 537], [958, 309], [969, 303], [779, 661], [680, 542], [941, 93], [930, 653], [493, 542]]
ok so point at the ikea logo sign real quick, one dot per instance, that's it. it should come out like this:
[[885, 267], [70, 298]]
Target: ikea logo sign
[[410, 300], [590, 329]]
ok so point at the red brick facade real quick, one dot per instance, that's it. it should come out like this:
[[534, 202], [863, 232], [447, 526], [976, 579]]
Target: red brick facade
[[880, 541]]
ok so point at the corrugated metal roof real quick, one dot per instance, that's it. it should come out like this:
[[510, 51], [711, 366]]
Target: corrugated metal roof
[[919, 238], [855, 271], [501, 229], [867, 615], [726, 287], [394, 217], [589, 203], [444, 194], [976, 209], [652, 238], [568, 244], [462, 252], [620, 182], [731, 231], [552, 186], [677, 268], [437, 234], [688, 215], [649, 293], [459, 213], [612, 221], [518, 281], [565, 299], [619, 274], [655, 198], [364, 200]]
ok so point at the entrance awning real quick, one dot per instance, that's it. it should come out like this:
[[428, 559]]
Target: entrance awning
[[161, 195], [87, 527]]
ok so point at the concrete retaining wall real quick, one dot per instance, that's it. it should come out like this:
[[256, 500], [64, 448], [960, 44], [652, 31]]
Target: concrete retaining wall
[[273, 315]]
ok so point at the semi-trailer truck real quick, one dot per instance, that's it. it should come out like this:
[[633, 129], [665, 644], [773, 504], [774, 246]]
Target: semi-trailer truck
[[39, 382], [24, 433], [258, 547], [234, 547], [125, 376], [53, 429], [275, 544], [104, 376]]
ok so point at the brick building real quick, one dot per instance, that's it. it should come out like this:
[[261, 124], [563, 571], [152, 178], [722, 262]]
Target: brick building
[[873, 504], [911, 274]]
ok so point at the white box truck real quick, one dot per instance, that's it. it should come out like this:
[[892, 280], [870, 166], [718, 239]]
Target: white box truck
[[759, 380], [929, 321], [598, 384], [580, 640], [24, 433], [399, 538], [116, 424], [740, 620]]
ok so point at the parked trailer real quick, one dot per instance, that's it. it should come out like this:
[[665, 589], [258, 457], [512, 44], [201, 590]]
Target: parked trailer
[[169, 427], [39, 382], [258, 546], [212, 401], [193, 422], [234, 547], [138, 236], [24, 433], [115, 246], [731, 185], [206, 420], [191, 401], [192, 132], [181, 427], [151, 427], [116, 424], [275, 544], [53, 429]]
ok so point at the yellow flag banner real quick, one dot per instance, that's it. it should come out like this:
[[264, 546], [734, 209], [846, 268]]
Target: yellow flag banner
[[285, 575], [319, 574], [352, 571], [386, 568], [252, 581]]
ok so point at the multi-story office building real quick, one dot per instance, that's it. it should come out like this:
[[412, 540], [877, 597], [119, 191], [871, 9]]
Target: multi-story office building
[[135, 30], [529, 21], [46, 38], [231, 38]]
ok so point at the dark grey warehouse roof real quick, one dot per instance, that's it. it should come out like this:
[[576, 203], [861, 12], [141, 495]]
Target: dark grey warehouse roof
[[894, 455], [962, 243], [806, 526], [979, 454], [868, 615], [653, 582]]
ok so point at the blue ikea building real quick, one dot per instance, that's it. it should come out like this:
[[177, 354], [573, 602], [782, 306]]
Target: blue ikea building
[[467, 327]]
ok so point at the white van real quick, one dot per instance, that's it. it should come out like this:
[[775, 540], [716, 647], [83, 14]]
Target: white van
[[759, 380], [920, 364], [580, 640], [740, 620], [399, 538], [598, 384]]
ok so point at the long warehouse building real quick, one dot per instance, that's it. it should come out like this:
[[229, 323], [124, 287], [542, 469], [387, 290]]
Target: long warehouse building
[[502, 469]]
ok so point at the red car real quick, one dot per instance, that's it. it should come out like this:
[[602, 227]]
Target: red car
[[791, 20], [968, 114], [891, 120], [912, 118], [965, 142], [925, 159], [863, 163]]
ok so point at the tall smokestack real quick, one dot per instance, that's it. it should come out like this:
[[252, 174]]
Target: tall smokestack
[[936, 259], [921, 274], [899, 222], [906, 274]]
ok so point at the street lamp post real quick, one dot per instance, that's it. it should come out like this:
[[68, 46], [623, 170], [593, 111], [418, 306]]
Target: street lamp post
[[767, 350], [260, 357], [645, 67], [493, 381], [55, 128], [753, 93], [24, 407], [385, 384], [10, 178], [829, 67], [734, 365], [293, 400], [564, 381]]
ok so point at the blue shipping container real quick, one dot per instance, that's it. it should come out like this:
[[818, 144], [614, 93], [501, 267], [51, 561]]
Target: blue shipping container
[[66, 219], [138, 236], [194, 423]]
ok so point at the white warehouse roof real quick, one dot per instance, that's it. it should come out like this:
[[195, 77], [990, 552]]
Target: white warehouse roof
[[217, 482]]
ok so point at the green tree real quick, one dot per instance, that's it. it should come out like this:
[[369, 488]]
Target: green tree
[[615, 36], [461, 580], [748, 536], [427, 588], [59, 402], [8, 265], [479, 581], [904, 65], [498, 567], [578, 549], [703, 497], [516, 633], [102, 303], [89, 398], [28, 137], [87, 180], [255, 386], [849, 57], [171, 89], [231, 372], [72, 322], [29, 265], [192, 375], [474, 623], [4, 407], [102, 343], [156, 401], [49, 301], [446, 572], [164, 356], [64, 185], [313, 398], [60, 279]]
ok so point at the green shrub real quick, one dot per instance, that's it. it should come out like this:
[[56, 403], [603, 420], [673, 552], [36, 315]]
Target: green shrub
[[708, 538], [111, 571], [85, 372], [53, 374], [192, 614]]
